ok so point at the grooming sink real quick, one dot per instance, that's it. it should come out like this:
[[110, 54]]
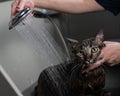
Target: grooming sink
[[20, 67]]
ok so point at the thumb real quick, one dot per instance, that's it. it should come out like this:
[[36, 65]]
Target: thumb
[[95, 65], [21, 5], [30, 4]]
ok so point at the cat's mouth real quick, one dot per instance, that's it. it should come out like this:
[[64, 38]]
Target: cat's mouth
[[89, 61]]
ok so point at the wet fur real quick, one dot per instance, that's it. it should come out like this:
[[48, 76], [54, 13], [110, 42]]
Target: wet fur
[[67, 79]]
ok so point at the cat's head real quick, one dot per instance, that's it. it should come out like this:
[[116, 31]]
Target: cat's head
[[87, 51]]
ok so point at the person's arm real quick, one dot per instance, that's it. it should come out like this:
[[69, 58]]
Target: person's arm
[[67, 6], [70, 6]]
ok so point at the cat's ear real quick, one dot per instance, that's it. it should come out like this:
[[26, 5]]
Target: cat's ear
[[73, 43], [100, 36], [72, 40]]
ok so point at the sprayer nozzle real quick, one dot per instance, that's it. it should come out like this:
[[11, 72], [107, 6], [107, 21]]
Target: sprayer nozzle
[[19, 17], [10, 27]]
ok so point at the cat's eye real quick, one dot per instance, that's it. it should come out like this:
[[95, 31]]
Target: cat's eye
[[80, 54], [94, 49]]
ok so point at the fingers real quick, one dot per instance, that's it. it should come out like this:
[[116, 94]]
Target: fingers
[[30, 4], [97, 64], [17, 5], [21, 5], [14, 5], [107, 42]]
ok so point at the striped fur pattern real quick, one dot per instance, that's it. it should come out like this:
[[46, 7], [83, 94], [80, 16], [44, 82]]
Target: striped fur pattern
[[67, 79]]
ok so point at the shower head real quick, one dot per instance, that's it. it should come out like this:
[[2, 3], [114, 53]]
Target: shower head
[[25, 12], [19, 17]]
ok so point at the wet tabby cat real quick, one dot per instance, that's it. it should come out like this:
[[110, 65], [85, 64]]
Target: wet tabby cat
[[67, 79]]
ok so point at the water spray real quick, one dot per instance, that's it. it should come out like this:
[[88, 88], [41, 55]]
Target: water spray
[[20, 16]]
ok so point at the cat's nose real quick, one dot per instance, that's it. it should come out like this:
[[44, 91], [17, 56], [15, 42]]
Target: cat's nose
[[88, 59]]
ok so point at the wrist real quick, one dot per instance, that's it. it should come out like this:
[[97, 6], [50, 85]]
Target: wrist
[[41, 3], [35, 3]]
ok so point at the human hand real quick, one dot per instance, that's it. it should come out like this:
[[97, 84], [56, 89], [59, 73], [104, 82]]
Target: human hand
[[109, 54], [19, 5]]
